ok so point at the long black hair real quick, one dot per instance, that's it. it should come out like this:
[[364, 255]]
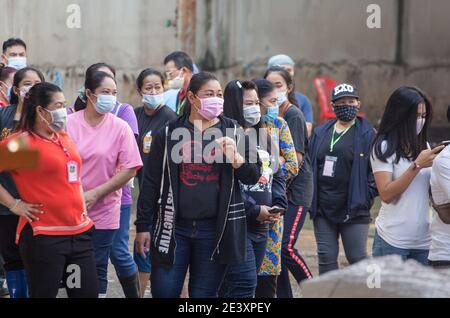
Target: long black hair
[[18, 77], [265, 87], [233, 108], [40, 94], [288, 79], [81, 102], [195, 85], [398, 126], [234, 100]]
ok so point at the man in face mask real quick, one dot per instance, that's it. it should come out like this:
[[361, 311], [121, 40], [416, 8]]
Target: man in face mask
[[179, 70], [14, 53]]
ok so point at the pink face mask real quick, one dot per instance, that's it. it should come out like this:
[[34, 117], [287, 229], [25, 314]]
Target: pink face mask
[[211, 107]]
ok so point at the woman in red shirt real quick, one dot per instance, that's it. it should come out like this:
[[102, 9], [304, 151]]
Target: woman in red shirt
[[54, 231]]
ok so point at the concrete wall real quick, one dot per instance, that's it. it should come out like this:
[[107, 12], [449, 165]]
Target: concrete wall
[[130, 35], [329, 37], [235, 38]]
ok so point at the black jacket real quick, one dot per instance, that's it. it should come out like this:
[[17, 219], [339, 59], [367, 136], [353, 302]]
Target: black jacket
[[7, 126], [362, 189], [159, 200]]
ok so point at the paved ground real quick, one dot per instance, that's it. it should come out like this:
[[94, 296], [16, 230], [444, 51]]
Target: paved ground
[[306, 245]]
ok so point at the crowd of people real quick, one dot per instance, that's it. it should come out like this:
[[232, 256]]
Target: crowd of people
[[227, 176]]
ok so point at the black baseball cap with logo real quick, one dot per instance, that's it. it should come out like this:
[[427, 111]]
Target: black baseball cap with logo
[[344, 90]]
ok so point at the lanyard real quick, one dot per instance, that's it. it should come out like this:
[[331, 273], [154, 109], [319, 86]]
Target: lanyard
[[55, 141], [335, 141], [181, 105]]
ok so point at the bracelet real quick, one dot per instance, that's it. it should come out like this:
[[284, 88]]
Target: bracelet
[[15, 205], [416, 166]]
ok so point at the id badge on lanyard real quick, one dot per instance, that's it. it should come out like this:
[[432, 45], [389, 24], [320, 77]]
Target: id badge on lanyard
[[329, 168], [72, 172]]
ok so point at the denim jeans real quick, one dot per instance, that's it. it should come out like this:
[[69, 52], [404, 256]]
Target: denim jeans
[[382, 248], [103, 241], [144, 264], [195, 243], [120, 254], [241, 279], [354, 238]]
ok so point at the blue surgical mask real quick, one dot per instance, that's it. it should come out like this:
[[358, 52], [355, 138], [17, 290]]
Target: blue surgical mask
[[105, 103], [17, 62], [153, 101], [282, 98], [271, 115]]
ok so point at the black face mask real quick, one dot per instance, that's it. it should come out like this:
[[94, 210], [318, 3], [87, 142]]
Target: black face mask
[[346, 113]]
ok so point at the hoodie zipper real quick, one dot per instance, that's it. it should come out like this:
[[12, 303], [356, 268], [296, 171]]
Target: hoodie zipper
[[228, 209], [173, 202], [226, 218]]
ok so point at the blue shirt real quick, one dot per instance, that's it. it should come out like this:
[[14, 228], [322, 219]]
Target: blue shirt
[[305, 107], [171, 98]]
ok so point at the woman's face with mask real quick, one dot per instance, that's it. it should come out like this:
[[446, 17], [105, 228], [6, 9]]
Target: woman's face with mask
[[421, 117], [30, 79]]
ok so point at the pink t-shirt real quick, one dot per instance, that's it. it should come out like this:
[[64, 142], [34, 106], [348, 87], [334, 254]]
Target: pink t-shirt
[[105, 149]]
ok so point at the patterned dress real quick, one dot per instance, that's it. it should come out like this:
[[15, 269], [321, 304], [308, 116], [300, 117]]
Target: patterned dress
[[281, 135]]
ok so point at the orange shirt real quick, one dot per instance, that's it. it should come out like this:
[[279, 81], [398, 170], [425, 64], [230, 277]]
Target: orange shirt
[[55, 185]]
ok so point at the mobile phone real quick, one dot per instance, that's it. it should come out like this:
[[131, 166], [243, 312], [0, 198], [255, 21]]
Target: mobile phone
[[445, 143], [276, 210]]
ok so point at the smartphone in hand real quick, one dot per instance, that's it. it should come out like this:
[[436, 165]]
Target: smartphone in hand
[[445, 144]]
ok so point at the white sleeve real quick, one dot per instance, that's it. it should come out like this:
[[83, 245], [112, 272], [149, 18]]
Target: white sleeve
[[441, 172], [380, 166]]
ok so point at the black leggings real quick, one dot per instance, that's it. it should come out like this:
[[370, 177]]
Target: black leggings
[[291, 260], [50, 259], [8, 247], [267, 287]]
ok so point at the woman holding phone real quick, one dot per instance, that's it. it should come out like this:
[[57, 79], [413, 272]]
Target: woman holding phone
[[401, 162]]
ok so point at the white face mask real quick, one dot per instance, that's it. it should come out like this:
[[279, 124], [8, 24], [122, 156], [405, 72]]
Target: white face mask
[[177, 83], [59, 119], [252, 115], [282, 98], [24, 90], [419, 125]]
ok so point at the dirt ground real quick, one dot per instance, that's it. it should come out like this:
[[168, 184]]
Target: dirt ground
[[306, 244]]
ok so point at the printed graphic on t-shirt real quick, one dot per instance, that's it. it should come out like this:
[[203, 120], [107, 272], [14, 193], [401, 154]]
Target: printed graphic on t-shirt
[[195, 167], [265, 181], [147, 143]]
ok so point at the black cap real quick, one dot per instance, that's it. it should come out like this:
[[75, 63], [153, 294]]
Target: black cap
[[344, 90]]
